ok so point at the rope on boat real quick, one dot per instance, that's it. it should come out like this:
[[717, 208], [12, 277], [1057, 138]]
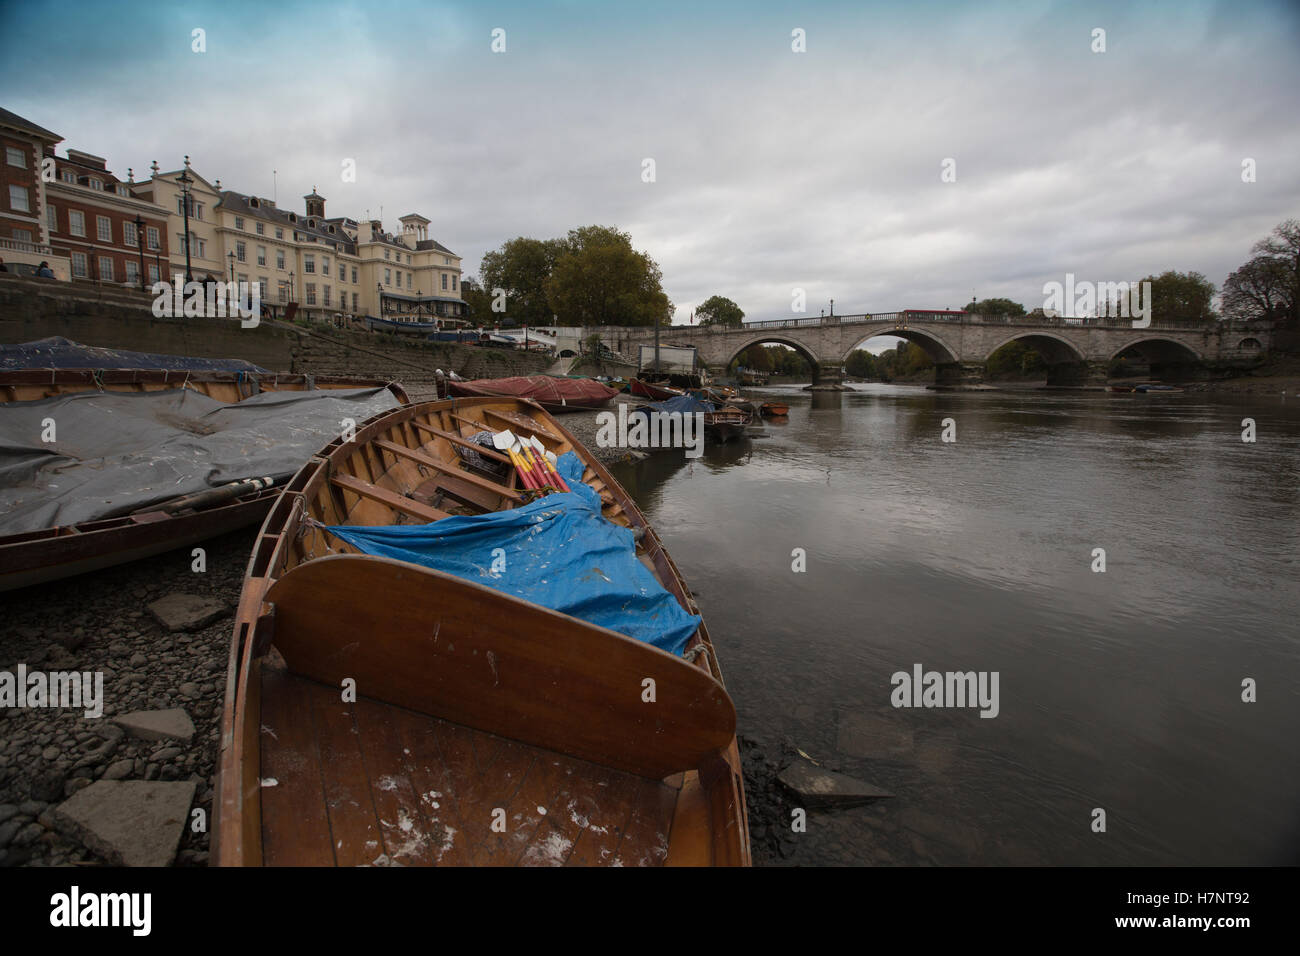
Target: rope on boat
[[690, 654]]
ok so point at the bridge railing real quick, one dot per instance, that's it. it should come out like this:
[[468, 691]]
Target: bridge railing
[[969, 318]]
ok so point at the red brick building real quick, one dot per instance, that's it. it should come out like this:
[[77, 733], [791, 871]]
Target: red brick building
[[23, 239], [94, 219]]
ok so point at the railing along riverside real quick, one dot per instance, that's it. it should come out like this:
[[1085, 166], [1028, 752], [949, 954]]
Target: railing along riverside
[[970, 318]]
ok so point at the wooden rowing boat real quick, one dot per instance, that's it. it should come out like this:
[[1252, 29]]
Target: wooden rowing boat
[[556, 395], [49, 554], [774, 409], [472, 707]]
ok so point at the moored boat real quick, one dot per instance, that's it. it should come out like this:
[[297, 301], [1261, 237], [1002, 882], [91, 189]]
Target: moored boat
[[556, 395], [659, 393], [514, 706], [143, 461], [774, 409]]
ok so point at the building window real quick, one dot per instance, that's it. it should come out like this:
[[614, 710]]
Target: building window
[[106, 268], [153, 272], [76, 222], [18, 199], [311, 293], [79, 265], [283, 288], [129, 236], [388, 254], [308, 262], [242, 278], [241, 251], [279, 233], [261, 255], [152, 235], [279, 259], [51, 219], [388, 277], [453, 283], [132, 272], [444, 282], [262, 286], [21, 235], [15, 157], [399, 278], [325, 295], [354, 275], [197, 212], [261, 228], [324, 265], [95, 184], [121, 190], [104, 228], [408, 282], [408, 260], [198, 248], [239, 223], [356, 302]]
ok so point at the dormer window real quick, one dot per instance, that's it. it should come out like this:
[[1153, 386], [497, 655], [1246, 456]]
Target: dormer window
[[311, 223], [293, 217], [253, 202], [69, 176], [331, 228]]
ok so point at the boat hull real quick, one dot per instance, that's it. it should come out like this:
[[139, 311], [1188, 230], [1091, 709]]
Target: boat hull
[[557, 395], [468, 701]]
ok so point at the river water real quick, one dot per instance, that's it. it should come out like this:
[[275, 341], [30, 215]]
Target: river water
[[1118, 691]]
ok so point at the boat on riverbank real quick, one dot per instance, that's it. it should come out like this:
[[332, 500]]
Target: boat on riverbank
[[142, 461], [774, 409], [556, 395], [500, 715]]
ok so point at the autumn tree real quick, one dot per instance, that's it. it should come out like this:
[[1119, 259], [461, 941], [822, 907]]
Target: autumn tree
[[1268, 285], [996, 307], [599, 279], [721, 311]]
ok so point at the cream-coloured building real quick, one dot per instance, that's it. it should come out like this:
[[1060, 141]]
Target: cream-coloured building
[[337, 267], [166, 190]]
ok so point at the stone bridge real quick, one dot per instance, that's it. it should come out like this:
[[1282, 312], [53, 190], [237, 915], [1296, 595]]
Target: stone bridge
[[1077, 351]]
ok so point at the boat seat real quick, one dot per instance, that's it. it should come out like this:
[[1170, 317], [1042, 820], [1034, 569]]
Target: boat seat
[[443, 646]]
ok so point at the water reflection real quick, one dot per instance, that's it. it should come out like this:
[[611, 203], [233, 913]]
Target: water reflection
[[1120, 689]]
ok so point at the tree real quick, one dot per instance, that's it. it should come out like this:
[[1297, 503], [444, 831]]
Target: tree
[[860, 364], [1181, 295], [599, 279], [1268, 285], [721, 311], [996, 307], [478, 300], [521, 268]]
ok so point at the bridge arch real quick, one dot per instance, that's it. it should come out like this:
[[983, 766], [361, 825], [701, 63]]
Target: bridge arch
[[774, 339], [1250, 342], [1054, 349], [1155, 348], [931, 344]]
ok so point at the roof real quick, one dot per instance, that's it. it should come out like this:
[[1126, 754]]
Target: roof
[[238, 203], [426, 244], [27, 126]]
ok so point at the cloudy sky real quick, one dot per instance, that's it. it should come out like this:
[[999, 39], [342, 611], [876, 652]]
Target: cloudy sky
[[774, 170]]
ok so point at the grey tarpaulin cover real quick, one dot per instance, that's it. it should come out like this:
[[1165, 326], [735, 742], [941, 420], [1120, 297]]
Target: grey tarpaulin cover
[[117, 452], [57, 352]]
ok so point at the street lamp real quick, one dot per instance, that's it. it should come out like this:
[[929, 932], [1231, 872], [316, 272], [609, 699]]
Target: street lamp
[[290, 286], [379, 287], [231, 257], [185, 180], [139, 246]]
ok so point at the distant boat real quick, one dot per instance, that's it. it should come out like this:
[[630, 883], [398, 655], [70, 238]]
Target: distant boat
[[1156, 388], [773, 409], [556, 395], [659, 393]]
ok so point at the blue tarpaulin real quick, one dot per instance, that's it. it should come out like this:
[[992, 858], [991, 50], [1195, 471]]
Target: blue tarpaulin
[[59, 352], [559, 552], [686, 404]]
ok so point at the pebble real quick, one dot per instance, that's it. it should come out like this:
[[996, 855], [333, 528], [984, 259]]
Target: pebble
[[138, 660], [167, 753], [7, 810], [119, 770]]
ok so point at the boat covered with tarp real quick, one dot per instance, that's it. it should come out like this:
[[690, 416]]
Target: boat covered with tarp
[[90, 478], [534, 683], [556, 395], [721, 422]]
